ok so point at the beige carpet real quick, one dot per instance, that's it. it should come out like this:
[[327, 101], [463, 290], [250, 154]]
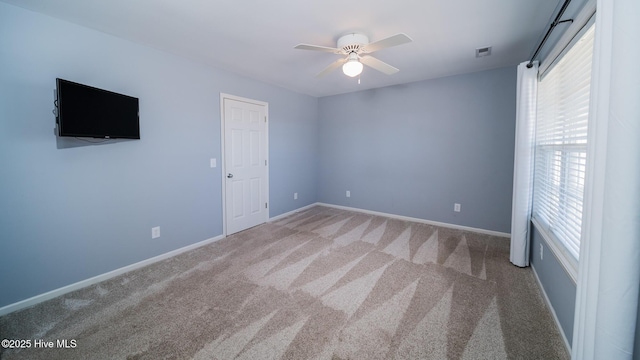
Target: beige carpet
[[320, 284]]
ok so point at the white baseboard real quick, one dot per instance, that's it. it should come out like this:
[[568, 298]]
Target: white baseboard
[[423, 221], [553, 312], [102, 277], [292, 212]]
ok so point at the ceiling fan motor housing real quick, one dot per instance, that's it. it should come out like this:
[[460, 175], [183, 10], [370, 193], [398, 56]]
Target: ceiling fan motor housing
[[352, 42]]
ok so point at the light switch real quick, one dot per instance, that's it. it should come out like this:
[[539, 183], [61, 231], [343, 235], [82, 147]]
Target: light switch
[[212, 162]]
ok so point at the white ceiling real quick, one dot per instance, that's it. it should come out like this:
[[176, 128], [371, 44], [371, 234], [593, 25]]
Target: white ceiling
[[256, 38]]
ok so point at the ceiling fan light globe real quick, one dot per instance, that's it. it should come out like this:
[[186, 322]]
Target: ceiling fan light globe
[[352, 68]]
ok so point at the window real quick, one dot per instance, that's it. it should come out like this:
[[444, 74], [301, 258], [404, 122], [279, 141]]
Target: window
[[561, 146]]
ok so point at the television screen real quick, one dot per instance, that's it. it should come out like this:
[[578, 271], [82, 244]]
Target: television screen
[[85, 111]]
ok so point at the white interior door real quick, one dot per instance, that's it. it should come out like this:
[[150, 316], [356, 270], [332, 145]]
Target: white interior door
[[245, 164]]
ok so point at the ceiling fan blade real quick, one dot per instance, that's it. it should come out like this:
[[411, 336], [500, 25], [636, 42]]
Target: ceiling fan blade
[[317, 48], [394, 40], [378, 65], [334, 65]]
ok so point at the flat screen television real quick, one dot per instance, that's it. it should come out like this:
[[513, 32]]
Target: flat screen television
[[85, 111]]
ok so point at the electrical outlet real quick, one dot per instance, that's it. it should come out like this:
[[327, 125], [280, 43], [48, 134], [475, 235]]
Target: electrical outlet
[[456, 207], [348, 193], [541, 251], [155, 232], [295, 196]]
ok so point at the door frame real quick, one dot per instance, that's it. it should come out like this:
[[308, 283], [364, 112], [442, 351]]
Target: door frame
[[223, 157]]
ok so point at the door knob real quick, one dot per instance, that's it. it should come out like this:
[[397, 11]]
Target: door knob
[[230, 176]]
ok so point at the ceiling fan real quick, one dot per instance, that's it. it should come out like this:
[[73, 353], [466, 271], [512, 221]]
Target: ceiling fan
[[355, 49]]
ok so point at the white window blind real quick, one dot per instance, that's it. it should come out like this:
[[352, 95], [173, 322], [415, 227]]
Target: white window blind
[[561, 144]]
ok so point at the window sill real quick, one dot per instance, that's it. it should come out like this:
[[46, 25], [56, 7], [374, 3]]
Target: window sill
[[568, 262]]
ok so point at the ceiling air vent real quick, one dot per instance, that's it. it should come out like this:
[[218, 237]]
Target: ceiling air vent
[[483, 51]]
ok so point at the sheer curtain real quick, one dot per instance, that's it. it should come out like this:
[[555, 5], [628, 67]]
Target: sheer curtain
[[526, 91]]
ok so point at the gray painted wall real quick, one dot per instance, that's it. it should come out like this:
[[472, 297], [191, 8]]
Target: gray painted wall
[[560, 289], [636, 345], [416, 149], [293, 150], [72, 213]]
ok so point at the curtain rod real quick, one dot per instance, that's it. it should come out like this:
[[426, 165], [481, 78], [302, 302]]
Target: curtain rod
[[551, 27]]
